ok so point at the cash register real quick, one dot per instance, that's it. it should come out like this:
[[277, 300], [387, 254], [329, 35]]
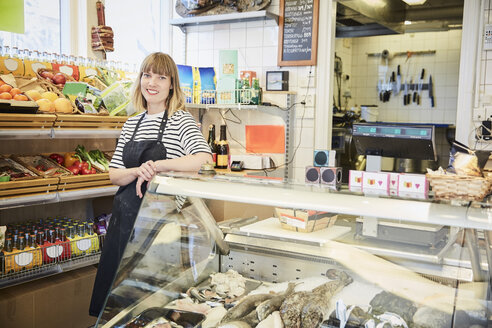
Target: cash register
[[376, 140]]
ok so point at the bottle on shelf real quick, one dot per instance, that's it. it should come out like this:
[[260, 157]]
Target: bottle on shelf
[[222, 149], [256, 92], [22, 257], [212, 143], [8, 250]]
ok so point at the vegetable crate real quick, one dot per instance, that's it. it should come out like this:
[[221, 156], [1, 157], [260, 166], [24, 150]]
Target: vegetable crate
[[18, 180], [84, 181], [27, 121], [452, 186], [41, 165], [89, 121]]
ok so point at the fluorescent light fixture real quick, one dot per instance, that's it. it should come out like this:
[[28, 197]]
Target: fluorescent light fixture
[[414, 2], [408, 22]]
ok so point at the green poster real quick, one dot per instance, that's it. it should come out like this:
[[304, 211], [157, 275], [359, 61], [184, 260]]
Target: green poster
[[12, 16]]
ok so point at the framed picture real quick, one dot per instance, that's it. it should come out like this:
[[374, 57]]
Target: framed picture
[[277, 81]]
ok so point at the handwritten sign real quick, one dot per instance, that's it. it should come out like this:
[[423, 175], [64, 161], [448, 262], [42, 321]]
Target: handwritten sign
[[298, 32]]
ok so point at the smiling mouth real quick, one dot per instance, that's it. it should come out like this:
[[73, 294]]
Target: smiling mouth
[[152, 92]]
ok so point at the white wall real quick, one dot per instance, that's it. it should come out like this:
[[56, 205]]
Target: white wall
[[443, 66], [256, 43]]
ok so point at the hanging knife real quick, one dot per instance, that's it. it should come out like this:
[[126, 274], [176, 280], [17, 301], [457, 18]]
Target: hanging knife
[[421, 83], [405, 94], [398, 80], [431, 91]]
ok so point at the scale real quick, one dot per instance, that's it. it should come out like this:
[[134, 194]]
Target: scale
[[376, 140]]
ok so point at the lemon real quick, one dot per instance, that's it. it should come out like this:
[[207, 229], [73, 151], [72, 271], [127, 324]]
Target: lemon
[[49, 95], [63, 105], [45, 105]]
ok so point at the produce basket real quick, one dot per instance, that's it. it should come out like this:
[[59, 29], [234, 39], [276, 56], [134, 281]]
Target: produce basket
[[26, 121], [22, 180], [48, 86], [68, 78], [41, 165], [304, 220], [452, 186]]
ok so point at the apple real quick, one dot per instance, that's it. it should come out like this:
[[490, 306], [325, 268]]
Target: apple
[[59, 78], [47, 75]]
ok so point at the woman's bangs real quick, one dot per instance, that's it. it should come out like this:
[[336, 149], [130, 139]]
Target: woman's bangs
[[157, 65]]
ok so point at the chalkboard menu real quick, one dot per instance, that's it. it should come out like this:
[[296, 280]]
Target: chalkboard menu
[[298, 32]]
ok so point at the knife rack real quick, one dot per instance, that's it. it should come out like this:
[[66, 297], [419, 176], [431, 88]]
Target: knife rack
[[404, 53]]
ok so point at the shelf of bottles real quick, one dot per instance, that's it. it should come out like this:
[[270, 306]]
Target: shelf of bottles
[[44, 56], [37, 249]]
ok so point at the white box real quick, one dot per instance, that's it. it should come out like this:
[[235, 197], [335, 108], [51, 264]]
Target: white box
[[412, 184], [375, 181], [355, 180], [393, 187]]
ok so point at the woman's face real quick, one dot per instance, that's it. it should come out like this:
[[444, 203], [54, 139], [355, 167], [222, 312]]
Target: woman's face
[[155, 88]]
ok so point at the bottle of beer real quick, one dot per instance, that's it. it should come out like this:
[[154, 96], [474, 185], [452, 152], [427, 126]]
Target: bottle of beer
[[212, 144], [256, 92], [222, 149]]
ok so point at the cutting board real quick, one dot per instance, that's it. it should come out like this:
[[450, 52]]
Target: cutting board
[[271, 227]]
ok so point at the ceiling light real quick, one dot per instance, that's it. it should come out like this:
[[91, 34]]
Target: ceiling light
[[414, 2], [408, 22]]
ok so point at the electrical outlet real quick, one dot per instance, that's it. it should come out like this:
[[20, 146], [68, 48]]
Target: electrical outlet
[[308, 79], [479, 114], [310, 100]]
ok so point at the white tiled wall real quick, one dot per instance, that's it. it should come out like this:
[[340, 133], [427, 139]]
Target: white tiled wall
[[443, 66], [256, 43], [486, 63]]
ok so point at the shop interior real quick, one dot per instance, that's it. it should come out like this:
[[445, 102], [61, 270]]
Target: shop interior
[[382, 106]]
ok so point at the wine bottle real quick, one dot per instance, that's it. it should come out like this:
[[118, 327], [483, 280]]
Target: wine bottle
[[212, 144], [222, 149]]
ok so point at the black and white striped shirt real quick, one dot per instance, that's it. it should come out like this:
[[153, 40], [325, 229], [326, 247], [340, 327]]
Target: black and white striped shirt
[[181, 137]]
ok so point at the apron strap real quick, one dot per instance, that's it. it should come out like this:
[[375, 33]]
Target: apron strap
[[161, 128]]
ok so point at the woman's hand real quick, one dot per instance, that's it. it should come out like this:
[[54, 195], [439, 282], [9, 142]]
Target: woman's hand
[[145, 172]]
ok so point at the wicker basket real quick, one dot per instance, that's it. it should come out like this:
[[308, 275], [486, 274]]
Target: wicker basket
[[451, 186], [67, 77]]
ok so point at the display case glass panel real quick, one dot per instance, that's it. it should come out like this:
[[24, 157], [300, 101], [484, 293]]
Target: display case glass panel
[[316, 257]]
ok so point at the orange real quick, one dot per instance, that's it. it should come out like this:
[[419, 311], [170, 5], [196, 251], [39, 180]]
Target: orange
[[20, 97], [15, 91], [5, 95], [1, 82], [5, 88]]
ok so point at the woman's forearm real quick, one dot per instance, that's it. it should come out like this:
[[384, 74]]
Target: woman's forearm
[[188, 163], [122, 177]]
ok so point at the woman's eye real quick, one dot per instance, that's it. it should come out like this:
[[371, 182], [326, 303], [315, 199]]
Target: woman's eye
[[145, 75], [163, 77]]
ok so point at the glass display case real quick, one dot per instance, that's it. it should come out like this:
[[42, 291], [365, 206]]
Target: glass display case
[[227, 251]]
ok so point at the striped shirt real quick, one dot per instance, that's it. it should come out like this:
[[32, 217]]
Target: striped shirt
[[181, 137]]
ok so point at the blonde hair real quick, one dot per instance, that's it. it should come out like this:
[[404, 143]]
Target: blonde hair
[[162, 64]]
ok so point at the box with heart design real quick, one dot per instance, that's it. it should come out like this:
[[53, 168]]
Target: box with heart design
[[412, 183], [393, 185], [375, 181]]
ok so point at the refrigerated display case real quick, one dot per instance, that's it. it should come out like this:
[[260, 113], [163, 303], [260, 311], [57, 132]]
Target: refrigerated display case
[[382, 260]]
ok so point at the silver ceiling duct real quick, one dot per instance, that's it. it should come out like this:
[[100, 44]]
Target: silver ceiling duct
[[357, 18]]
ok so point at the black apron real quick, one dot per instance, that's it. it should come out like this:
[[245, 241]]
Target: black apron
[[125, 209]]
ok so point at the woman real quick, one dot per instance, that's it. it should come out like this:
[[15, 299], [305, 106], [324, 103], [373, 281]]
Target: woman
[[164, 137]]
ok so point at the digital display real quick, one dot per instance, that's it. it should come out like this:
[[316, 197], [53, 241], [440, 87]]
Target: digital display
[[395, 131], [416, 132], [366, 129]]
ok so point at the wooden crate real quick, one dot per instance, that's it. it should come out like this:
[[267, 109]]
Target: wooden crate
[[24, 187], [84, 181], [27, 121], [89, 121]]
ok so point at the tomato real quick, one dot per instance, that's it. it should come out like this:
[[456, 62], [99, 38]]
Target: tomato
[[57, 158], [93, 170], [85, 170]]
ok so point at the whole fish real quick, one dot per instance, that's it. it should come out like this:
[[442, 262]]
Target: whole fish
[[245, 306], [308, 309], [269, 306]]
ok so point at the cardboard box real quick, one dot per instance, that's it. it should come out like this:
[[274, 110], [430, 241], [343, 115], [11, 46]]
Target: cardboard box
[[377, 182], [57, 301], [412, 184], [304, 220]]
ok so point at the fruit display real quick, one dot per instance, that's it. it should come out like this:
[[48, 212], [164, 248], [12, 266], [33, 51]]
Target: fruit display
[[57, 78], [8, 92], [49, 102]]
